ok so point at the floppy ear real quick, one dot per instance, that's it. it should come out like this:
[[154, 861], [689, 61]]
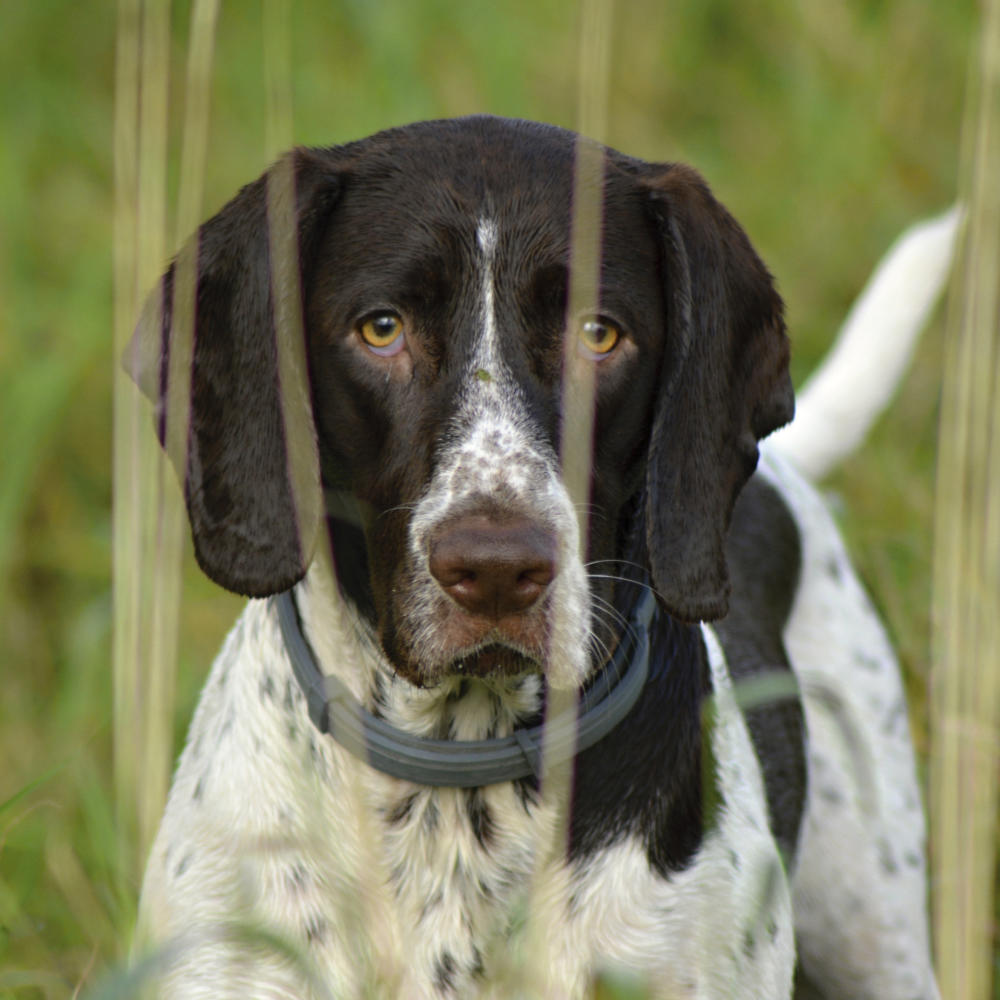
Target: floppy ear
[[725, 384], [250, 475]]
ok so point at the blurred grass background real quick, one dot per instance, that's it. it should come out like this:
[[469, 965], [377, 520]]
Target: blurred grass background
[[826, 127]]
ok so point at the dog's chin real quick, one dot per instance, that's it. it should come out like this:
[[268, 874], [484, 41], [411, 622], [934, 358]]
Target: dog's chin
[[494, 660]]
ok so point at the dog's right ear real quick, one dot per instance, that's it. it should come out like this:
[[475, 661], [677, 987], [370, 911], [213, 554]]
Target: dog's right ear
[[250, 473]]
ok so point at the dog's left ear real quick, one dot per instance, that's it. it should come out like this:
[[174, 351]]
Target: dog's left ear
[[724, 385]]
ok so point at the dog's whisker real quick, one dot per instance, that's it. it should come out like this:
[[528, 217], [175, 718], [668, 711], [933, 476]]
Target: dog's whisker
[[398, 508], [642, 570], [606, 611]]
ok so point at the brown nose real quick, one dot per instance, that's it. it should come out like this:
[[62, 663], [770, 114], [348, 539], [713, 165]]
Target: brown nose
[[493, 568]]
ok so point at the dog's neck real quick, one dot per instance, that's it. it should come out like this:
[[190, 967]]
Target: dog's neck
[[345, 644]]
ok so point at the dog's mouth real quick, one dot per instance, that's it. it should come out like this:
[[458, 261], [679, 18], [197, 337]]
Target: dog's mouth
[[494, 660]]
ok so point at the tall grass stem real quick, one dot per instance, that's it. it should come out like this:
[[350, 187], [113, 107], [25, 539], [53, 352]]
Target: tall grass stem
[[965, 705]]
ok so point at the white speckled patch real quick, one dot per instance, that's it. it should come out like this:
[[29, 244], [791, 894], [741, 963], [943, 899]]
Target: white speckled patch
[[496, 460]]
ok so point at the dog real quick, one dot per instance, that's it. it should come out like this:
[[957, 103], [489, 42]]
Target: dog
[[367, 803]]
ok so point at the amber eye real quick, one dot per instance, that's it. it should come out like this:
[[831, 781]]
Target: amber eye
[[598, 337], [383, 333]]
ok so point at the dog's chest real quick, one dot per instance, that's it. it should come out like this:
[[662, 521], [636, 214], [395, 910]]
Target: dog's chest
[[374, 883], [459, 867], [474, 898]]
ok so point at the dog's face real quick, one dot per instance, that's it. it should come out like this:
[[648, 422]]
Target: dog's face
[[436, 326], [435, 265]]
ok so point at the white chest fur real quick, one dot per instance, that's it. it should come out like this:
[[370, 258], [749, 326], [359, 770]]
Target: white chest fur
[[284, 862]]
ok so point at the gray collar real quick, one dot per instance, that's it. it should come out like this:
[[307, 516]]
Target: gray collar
[[472, 763]]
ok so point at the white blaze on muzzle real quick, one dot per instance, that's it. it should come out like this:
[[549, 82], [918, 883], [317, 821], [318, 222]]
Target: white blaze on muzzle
[[495, 462]]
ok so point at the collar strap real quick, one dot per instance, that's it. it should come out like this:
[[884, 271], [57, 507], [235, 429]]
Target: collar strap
[[471, 763]]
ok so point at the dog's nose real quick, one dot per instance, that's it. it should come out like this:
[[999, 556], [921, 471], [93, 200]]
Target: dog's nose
[[493, 568]]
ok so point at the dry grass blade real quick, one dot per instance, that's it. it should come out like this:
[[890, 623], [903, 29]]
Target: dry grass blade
[[576, 444], [293, 376], [125, 611], [148, 510], [363, 910], [966, 695], [144, 630], [277, 76]]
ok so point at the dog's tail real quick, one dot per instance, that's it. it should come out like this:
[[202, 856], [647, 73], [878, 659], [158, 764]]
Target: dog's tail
[[857, 379]]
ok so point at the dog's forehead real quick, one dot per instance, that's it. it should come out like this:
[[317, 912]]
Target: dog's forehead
[[473, 156], [459, 171]]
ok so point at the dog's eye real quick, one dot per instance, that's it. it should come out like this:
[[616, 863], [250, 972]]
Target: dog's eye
[[383, 333], [598, 337]]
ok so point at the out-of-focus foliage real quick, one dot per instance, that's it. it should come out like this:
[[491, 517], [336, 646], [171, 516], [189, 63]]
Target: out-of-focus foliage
[[826, 128]]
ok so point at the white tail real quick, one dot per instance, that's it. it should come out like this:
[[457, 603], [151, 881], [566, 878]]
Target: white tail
[[854, 384]]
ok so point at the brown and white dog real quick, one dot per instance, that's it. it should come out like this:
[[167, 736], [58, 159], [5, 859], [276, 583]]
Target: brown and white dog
[[778, 852]]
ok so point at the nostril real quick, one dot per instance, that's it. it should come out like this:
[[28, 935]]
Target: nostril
[[493, 568], [451, 575], [464, 587], [540, 575], [533, 582], [525, 592]]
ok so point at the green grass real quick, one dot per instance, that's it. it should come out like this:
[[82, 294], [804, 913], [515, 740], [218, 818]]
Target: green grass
[[825, 127]]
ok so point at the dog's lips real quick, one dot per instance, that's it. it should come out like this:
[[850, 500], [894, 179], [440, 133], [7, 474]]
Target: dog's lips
[[477, 651], [494, 660], [476, 646]]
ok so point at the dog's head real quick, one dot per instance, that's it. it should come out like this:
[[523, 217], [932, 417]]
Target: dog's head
[[432, 277]]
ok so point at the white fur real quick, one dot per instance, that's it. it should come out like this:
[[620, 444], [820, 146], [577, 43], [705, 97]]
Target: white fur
[[488, 355]]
